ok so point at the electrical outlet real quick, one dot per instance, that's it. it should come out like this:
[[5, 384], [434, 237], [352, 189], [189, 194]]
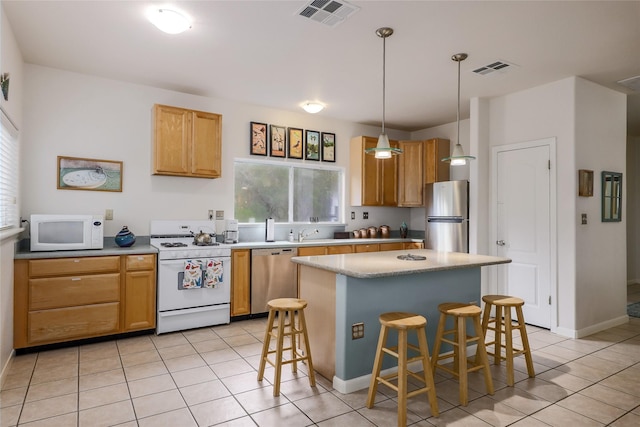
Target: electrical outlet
[[210, 214], [353, 215], [357, 331], [219, 214], [365, 215], [584, 218], [108, 214]]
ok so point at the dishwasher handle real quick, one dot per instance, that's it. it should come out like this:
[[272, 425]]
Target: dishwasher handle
[[274, 252]]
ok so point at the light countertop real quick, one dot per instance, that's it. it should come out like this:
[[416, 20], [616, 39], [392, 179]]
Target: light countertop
[[318, 242], [382, 264]]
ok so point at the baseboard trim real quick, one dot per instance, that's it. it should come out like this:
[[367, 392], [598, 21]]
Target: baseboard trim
[[5, 368]]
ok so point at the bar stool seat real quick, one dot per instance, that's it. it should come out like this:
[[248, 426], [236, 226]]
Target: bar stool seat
[[503, 305], [402, 323], [461, 366], [283, 308]]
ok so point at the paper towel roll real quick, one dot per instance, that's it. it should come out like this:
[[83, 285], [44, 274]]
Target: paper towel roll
[[270, 233]]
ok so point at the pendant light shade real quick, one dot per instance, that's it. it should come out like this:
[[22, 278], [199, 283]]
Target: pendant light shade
[[383, 149], [457, 157]]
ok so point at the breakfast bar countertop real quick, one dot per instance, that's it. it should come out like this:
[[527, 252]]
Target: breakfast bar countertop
[[383, 264]]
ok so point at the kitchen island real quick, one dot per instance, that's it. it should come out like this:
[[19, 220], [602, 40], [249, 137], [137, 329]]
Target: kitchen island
[[347, 291]]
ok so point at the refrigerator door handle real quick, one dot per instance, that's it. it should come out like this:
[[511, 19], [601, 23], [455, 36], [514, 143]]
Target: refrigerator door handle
[[446, 219]]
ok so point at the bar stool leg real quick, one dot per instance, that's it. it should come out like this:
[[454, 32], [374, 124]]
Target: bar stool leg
[[482, 352], [303, 324], [525, 342], [265, 344], [292, 340], [497, 344], [436, 345], [377, 366], [461, 362], [424, 350], [402, 377], [508, 331], [278, 367]]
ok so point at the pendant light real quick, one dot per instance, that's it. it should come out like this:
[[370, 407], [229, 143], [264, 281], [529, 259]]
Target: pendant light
[[457, 157], [383, 150]]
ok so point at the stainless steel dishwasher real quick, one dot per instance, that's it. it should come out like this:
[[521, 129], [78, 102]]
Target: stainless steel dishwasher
[[273, 275]]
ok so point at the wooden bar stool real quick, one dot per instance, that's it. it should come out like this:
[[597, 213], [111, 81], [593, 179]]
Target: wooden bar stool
[[460, 313], [503, 305], [402, 323], [283, 308]]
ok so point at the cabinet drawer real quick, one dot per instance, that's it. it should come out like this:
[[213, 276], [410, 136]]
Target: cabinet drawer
[[414, 245], [59, 292], [312, 250], [64, 324], [372, 247], [339, 249], [140, 262], [70, 266], [391, 246]]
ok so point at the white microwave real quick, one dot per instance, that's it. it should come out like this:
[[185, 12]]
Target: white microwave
[[66, 232]]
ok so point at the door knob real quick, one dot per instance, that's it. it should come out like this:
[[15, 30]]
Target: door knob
[[500, 242]]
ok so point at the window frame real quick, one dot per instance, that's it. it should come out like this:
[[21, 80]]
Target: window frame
[[292, 167], [9, 173]]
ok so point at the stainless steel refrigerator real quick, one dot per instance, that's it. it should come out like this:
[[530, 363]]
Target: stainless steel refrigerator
[[447, 216]]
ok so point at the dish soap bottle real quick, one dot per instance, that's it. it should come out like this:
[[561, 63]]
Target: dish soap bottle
[[291, 235]]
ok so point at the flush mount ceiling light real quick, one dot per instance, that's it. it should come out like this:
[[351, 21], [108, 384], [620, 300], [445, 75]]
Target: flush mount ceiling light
[[312, 107], [383, 150], [168, 20], [457, 156]]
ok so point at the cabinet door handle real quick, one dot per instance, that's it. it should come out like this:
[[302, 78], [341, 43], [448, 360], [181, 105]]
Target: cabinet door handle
[[75, 279], [500, 243], [76, 260]]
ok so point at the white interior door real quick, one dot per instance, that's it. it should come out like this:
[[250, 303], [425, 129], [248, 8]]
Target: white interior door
[[523, 228]]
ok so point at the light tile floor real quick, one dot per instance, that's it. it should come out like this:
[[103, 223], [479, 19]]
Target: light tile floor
[[208, 376]]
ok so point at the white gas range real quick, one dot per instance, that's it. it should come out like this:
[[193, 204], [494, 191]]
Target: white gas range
[[193, 280]]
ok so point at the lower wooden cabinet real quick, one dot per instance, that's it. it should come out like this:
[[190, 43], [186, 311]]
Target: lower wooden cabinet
[[64, 299], [139, 292], [240, 282]]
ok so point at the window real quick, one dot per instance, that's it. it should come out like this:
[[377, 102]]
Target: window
[[287, 193], [8, 173]]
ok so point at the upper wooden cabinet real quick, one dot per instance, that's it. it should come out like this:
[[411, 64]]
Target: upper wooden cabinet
[[419, 164], [187, 142], [374, 182]]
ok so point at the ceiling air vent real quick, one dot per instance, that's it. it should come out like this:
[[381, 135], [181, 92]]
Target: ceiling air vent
[[328, 12], [632, 83], [501, 66]]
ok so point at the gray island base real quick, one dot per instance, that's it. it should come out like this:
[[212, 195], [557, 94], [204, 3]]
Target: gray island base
[[349, 289]]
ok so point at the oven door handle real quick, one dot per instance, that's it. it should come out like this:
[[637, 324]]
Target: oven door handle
[[182, 312]]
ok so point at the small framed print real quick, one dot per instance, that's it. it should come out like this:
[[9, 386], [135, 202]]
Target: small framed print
[[328, 147], [585, 183], [312, 145], [258, 141], [295, 143], [278, 141]]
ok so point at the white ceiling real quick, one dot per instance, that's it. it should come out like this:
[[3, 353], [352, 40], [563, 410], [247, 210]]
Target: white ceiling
[[261, 52]]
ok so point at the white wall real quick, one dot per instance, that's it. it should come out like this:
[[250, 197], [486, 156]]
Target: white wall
[[70, 114], [581, 116], [601, 261], [10, 62], [632, 212]]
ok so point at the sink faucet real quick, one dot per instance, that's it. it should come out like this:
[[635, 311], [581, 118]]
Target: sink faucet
[[302, 234]]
